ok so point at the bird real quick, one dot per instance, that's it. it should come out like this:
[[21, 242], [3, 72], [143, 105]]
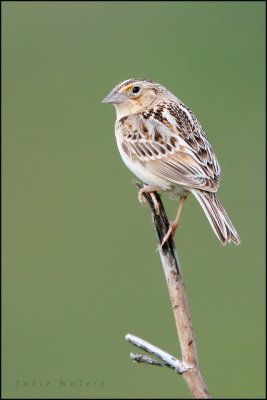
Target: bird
[[162, 143]]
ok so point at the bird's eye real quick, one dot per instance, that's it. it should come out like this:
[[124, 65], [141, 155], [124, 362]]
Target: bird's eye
[[136, 89]]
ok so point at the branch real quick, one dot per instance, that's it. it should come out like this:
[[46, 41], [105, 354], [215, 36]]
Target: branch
[[172, 270], [167, 360]]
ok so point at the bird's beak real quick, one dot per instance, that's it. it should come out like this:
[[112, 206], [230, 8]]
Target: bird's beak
[[114, 98]]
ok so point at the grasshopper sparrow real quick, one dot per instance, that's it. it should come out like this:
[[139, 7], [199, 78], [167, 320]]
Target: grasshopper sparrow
[[163, 144]]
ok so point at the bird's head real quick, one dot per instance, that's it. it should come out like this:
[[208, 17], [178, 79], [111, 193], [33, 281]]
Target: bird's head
[[133, 96]]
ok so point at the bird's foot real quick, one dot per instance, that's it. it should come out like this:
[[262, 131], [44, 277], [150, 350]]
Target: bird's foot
[[150, 190], [171, 232]]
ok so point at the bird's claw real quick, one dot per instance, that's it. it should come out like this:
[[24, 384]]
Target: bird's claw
[[170, 232], [143, 201]]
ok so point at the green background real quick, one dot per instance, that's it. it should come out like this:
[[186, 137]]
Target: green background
[[80, 268]]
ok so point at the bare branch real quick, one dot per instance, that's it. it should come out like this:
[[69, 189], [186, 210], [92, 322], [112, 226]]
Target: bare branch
[[173, 275], [167, 360], [141, 358]]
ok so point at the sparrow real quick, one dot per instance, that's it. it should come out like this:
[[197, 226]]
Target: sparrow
[[162, 143]]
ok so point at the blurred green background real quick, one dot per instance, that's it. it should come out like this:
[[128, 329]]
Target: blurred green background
[[80, 268]]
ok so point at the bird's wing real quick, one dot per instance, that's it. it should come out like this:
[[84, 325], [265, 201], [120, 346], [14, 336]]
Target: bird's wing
[[172, 146]]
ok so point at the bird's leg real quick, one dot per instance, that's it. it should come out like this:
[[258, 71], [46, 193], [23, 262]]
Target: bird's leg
[[174, 224], [151, 190]]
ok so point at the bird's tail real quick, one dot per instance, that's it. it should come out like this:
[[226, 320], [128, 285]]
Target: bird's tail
[[217, 216]]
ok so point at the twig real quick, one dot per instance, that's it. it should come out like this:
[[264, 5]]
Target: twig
[[172, 270], [167, 360]]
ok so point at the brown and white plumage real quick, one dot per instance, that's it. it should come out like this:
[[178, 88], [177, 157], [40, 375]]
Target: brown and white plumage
[[163, 144]]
